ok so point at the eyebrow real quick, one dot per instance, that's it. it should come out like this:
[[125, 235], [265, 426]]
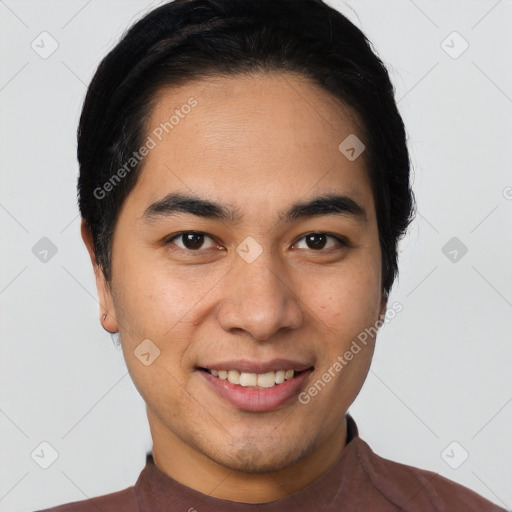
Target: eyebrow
[[327, 204]]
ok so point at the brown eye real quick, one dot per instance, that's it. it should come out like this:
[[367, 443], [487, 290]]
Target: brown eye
[[192, 241], [316, 240], [319, 241]]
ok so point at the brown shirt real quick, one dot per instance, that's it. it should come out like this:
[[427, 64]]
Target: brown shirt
[[360, 480]]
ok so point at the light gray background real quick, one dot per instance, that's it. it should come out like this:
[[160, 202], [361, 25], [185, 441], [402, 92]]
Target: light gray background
[[442, 368]]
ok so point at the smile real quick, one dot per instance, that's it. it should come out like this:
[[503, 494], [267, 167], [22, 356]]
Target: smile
[[253, 380], [257, 388]]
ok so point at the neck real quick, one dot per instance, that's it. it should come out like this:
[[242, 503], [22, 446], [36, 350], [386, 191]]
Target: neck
[[190, 467]]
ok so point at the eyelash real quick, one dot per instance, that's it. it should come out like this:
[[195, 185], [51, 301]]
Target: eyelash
[[340, 240]]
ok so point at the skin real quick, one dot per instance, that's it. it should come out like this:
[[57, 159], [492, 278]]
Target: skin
[[258, 144]]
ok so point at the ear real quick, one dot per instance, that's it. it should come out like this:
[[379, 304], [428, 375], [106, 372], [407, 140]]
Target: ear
[[103, 288]]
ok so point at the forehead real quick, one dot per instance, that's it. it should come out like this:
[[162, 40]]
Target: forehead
[[258, 137]]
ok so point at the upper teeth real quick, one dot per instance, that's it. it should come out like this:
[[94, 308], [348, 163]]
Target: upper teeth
[[262, 380]]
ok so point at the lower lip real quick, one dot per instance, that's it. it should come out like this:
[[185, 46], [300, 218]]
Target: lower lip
[[257, 399]]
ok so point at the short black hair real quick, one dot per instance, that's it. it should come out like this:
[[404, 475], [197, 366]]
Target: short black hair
[[189, 40]]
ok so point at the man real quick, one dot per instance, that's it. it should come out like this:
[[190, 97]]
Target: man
[[244, 181]]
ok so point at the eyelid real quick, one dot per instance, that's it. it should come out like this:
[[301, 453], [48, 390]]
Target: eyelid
[[170, 240], [342, 241]]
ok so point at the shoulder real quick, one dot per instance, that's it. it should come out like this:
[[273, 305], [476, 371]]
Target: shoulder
[[412, 488], [124, 500]]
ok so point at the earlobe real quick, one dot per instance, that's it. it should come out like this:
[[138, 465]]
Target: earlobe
[[108, 322], [107, 311]]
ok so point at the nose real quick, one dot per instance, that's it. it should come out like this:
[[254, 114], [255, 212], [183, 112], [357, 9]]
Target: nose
[[258, 300]]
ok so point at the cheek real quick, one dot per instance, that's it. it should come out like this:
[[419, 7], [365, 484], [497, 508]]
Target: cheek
[[156, 299], [346, 309], [346, 299]]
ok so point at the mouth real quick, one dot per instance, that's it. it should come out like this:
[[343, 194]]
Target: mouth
[[265, 380], [261, 389]]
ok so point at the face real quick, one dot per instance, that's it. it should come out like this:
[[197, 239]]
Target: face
[[249, 245]]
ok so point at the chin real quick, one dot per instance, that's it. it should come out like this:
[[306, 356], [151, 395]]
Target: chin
[[250, 458]]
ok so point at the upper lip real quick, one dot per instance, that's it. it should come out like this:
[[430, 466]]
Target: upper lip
[[246, 366]]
